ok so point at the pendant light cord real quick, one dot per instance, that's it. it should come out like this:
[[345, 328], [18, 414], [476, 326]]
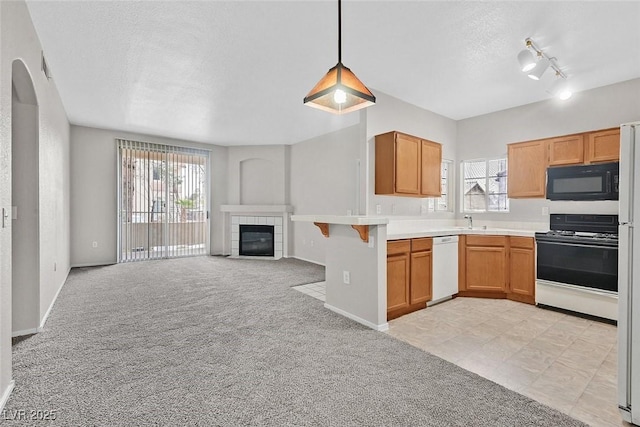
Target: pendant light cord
[[339, 31]]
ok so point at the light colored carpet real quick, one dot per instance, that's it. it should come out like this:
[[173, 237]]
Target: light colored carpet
[[213, 341]]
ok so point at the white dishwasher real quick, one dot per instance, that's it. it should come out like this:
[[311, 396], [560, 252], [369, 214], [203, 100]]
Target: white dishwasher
[[445, 268]]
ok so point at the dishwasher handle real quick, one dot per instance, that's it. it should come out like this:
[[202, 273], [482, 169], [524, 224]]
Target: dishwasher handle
[[445, 239]]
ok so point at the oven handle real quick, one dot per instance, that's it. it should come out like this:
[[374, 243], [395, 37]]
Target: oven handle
[[582, 245], [609, 190]]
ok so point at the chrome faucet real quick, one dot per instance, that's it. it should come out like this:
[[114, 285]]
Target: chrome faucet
[[470, 225]]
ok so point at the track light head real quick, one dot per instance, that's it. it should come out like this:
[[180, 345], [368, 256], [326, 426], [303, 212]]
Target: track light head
[[526, 60], [537, 71], [561, 89]]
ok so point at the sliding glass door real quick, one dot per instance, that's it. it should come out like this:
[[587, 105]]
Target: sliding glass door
[[163, 201]]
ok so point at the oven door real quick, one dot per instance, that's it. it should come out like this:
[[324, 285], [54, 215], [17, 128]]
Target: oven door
[[589, 265], [590, 182]]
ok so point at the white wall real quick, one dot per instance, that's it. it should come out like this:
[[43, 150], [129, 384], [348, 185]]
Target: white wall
[[391, 114], [364, 299], [258, 175], [94, 156], [324, 176], [488, 136], [18, 40]]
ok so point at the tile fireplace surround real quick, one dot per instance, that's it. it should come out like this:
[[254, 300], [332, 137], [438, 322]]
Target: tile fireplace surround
[[276, 215]]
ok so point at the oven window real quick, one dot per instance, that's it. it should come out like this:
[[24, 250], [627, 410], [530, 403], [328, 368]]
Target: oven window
[[576, 264], [587, 184]]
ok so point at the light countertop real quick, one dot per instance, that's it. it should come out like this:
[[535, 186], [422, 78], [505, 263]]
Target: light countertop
[[454, 231]]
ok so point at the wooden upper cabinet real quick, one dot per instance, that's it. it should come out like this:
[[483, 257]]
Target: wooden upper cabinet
[[603, 146], [407, 165], [527, 169], [431, 164], [567, 150]]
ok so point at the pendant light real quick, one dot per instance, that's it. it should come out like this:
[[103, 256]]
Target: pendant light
[[339, 91]]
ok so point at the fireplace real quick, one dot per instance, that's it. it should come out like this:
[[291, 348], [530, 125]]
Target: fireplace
[[256, 240]]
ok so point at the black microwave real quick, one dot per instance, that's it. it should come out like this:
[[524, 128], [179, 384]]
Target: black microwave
[[584, 182]]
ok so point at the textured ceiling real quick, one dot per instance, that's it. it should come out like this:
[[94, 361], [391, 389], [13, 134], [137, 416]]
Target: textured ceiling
[[235, 72]]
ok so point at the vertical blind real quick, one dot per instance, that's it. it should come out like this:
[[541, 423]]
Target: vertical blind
[[162, 201]]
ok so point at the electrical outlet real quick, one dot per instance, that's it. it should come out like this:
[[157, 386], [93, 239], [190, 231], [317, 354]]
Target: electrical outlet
[[348, 212], [393, 208], [423, 209], [545, 210], [378, 209], [346, 277], [94, 244]]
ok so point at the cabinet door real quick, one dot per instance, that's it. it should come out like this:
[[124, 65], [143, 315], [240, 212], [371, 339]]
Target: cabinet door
[[527, 163], [421, 283], [603, 146], [431, 184], [398, 268], [485, 268], [567, 150], [407, 164], [522, 271]]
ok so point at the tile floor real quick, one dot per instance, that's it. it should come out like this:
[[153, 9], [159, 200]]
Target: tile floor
[[316, 290], [563, 361]]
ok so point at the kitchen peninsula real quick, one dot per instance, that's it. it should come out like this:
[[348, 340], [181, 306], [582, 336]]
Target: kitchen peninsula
[[356, 258]]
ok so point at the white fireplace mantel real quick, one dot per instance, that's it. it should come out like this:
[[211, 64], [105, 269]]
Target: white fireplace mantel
[[240, 209]]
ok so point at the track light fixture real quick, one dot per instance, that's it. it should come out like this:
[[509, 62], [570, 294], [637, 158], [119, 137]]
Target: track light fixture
[[535, 68]]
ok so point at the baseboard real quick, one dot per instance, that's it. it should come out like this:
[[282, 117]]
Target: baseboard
[[307, 260], [55, 297], [25, 332], [381, 328], [92, 264], [6, 394]]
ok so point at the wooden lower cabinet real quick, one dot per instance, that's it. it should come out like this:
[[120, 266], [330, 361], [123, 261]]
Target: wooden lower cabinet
[[485, 263], [522, 269], [398, 274], [409, 275], [420, 285], [497, 267]]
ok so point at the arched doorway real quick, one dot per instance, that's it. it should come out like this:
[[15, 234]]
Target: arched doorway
[[25, 242]]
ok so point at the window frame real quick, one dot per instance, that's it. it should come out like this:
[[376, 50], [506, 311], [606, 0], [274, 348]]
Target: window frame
[[486, 162], [450, 183]]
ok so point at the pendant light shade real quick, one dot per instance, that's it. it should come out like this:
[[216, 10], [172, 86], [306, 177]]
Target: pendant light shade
[[339, 91]]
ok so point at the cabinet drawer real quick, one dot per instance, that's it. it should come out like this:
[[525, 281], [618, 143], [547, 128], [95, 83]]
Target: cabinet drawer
[[423, 244], [475, 240], [521, 242], [395, 247]]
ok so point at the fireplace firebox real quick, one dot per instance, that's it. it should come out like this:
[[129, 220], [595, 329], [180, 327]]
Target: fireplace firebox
[[256, 240]]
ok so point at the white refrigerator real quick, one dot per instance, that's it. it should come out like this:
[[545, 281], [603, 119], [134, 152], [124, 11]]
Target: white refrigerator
[[628, 279]]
